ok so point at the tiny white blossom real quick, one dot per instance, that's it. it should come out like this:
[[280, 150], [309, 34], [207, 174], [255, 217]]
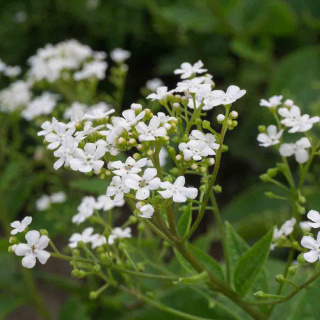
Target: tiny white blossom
[[194, 85], [58, 135], [118, 233], [33, 250], [129, 167], [65, 152], [113, 132], [273, 102], [85, 236], [154, 84], [105, 203], [314, 245], [177, 191], [147, 211], [92, 69], [129, 118], [58, 197], [143, 185], [161, 93], [98, 113], [120, 55], [218, 97], [304, 225], [314, 216], [43, 203], [117, 188], [298, 149], [88, 159], [85, 210], [152, 131], [194, 149], [285, 230], [294, 120], [208, 138], [272, 137], [187, 69], [98, 240], [20, 226]]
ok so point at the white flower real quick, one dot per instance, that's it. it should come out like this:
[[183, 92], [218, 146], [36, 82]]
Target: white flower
[[33, 249], [272, 137], [12, 71], [314, 216], [117, 188], [20, 226], [163, 155], [304, 225], [93, 69], [194, 149], [161, 93], [208, 138], [59, 134], [65, 152], [289, 103], [298, 149], [88, 159], [76, 112], [118, 233], [152, 131], [42, 105], [187, 70], [129, 118], [105, 203], [194, 85], [314, 245], [272, 102], [58, 197], [154, 84], [43, 203], [109, 147], [164, 119], [85, 210], [98, 240], [85, 236], [146, 211], [143, 184], [113, 132], [177, 190], [285, 229], [218, 97], [98, 113], [119, 55], [297, 122], [129, 167]]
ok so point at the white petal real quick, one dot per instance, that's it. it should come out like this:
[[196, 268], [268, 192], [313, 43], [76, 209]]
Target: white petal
[[22, 249], [311, 256], [309, 243], [43, 256], [32, 237], [29, 261]]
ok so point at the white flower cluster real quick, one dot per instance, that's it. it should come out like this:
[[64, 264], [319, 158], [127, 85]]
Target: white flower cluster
[[198, 89], [9, 71], [292, 118], [55, 61], [45, 201]]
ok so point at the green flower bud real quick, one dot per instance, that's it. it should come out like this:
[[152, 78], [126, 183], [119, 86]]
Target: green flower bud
[[292, 270], [198, 122], [185, 138], [264, 178], [281, 167], [97, 267], [185, 101], [133, 219], [262, 129], [206, 124], [141, 226], [259, 294], [301, 259], [280, 278], [177, 98], [44, 232], [175, 139], [174, 171], [272, 172], [171, 151], [234, 123], [203, 188], [300, 209], [217, 189], [13, 240], [224, 148], [141, 267], [93, 295]]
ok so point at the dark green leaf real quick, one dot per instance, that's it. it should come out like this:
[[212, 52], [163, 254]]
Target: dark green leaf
[[251, 264]]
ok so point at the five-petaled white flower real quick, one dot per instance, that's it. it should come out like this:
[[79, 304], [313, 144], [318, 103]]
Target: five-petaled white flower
[[117, 188], [120, 55], [129, 118], [298, 149], [143, 184], [160, 93], [314, 216], [85, 210], [294, 120], [187, 69], [208, 138], [65, 152], [85, 237], [131, 166], [58, 135], [118, 233], [272, 137], [20, 226], [177, 191], [147, 211], [98, 113], [33, 249], [105, 203], [314, 245], [88, 159], [218, 97], [194, 149], [152, 131], [98, 240], [273, 102], [194, 85]]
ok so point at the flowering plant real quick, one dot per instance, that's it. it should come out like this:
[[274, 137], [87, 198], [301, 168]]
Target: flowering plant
[[127, 150]]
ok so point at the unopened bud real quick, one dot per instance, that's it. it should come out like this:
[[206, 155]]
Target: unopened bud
[[217, 189], [262, 129], [234, 114], [178, 157], [264, 178], [221, 117], [272, 172], [176, 105], [292, 270], [206, 124], [280, 278]]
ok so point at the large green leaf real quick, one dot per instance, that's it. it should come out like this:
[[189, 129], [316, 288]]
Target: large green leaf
[[251, 264], [207, 261]]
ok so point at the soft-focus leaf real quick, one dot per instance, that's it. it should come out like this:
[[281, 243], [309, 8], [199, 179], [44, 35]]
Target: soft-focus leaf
[[74, 309], [91, 185], [184, 222], [251, 264]]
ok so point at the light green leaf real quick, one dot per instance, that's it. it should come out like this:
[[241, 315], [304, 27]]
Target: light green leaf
[[185, 222], [207, 261], [251, 264]]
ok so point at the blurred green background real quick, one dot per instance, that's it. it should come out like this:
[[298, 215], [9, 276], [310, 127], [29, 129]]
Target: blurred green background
[[266, 47]]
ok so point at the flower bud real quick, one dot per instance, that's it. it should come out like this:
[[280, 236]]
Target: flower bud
[[185, 101], [176, 105], [217, 189], [221, 117], [206, 124], [264, 178], [150, 153], [44, 232], [224, 148], [300, 209], [141, 267], [259, 294], [301, 259], [171, 151], [280, 278], [93, 295], [174, 171], [262, 129], [97, 267], [203, 188], [177, 98], [234, 123], [272, 172], [292, 270], [234, 114], [136, 107], [178, 157], [194, 166], [198, 121], [141, 226], [13, 240]]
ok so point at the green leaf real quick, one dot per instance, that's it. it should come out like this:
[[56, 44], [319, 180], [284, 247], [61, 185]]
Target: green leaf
[[74, 309], [185, 222], [9, 303], [251, 264], [183, 262], [207, 261]]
